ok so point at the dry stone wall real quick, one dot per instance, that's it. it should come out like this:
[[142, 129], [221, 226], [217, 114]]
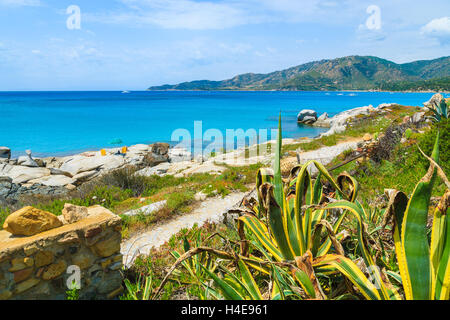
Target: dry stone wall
[[86, 252]]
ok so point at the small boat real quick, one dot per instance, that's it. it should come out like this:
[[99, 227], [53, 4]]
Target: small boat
[[125, 91]]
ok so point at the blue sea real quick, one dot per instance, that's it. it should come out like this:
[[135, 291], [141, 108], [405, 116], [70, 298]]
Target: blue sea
[[62, 123]]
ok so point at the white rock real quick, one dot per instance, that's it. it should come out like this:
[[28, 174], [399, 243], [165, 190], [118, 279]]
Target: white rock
[[78, 164], [417, 117], [27, 160], [323, 117], [139, 148], [22, 174], [200, 196], [73, 213], [53, 181], [159, 170], [179, 154], [147, 210], [385, 105], [85, 176], [307, 115]]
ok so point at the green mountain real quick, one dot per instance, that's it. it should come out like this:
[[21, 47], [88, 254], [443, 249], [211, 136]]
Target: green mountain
[[348, 73]]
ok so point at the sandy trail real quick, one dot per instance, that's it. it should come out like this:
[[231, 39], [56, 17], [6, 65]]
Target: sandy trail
[[209, 210]]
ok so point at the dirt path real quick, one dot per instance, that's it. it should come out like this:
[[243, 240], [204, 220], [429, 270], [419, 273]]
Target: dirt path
[[211, 209]]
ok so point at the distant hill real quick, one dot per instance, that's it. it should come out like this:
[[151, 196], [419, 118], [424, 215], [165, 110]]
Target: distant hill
[[348, 73]]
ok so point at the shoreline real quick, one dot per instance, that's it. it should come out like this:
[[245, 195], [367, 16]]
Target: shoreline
[[280, 90]]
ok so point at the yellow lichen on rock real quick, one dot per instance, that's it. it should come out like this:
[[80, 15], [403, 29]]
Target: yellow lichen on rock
[[29, 221]]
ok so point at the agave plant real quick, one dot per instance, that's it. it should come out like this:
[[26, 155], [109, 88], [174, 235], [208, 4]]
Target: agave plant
[[424, 266], [198, 267], [440, 111], [285, 229], [288, 218]]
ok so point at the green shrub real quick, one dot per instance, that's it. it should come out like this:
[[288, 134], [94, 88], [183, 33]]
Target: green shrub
[[408, 133], [426, 142], [3, 214]]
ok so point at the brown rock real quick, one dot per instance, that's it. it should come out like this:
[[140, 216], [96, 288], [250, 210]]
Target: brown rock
[[17, 264], [83, 259], [92, 232], [160, 148], [367, 137], [70, 187], [73, 213], [29, 221], [54, 270], [287, 164], [22, 275], [25, 285], [5, 294], [43, 258], [29, 262], [30, 249], [107, 247], [69, 238]]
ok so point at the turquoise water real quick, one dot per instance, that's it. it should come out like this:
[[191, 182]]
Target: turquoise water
[[59, 123]]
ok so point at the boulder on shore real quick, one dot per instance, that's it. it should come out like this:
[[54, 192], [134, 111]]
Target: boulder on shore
[[27, 161], [307, 116], [435, 99], [29, 221], [5, 153]]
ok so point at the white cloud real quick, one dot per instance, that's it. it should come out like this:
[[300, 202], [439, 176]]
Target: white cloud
[[180, 14], [215, 15], [437, 27], [20, 3]]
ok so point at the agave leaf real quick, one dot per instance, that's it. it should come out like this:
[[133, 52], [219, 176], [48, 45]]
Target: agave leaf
[[441, 285], [261, 233], [304, 281], [277, 180], [229, 293], [264, 175], [249, 281], [277, 226], [356, 211], [349, 269], [416, 270]]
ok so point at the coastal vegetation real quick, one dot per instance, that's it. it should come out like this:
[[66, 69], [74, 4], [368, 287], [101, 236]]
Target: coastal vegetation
[[346, 230], [347, 73], [333, 236]]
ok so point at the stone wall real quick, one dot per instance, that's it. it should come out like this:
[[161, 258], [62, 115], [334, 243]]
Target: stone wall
[[39, 266]]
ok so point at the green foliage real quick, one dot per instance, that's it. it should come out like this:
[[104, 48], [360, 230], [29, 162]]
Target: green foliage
[[74, 293], [408, 133], [101, 195], [3, 214], [426, 142], [440, 111]]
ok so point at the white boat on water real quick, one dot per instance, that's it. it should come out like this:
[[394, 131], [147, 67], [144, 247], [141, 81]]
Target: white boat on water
[[125, 91]]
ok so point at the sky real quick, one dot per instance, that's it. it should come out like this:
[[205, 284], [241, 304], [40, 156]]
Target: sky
[[134, 44]]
